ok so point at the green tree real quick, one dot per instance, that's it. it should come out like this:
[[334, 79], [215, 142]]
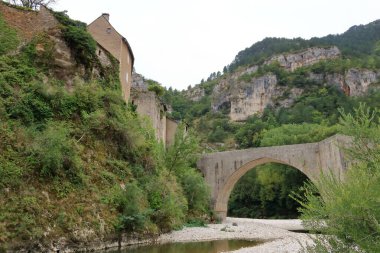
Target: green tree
[[348, 209]]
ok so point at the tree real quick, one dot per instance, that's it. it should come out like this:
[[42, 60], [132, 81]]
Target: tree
[[348, 210], [32, 4]]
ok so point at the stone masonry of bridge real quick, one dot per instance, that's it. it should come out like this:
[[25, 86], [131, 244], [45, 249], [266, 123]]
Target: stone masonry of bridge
[[222, 170]]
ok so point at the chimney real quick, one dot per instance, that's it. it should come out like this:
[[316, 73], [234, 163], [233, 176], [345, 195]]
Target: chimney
[[106, 16]]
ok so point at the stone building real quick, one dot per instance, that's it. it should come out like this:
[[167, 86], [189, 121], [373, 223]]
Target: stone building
[[112, 41]]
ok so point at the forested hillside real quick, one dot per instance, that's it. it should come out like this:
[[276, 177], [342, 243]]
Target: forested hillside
[[277, 105], [77, 164]]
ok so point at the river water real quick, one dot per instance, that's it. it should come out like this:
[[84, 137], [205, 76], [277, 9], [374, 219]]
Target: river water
[[192, 247]]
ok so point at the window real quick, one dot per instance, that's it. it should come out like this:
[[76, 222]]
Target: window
[[109, 30], [127, 77]]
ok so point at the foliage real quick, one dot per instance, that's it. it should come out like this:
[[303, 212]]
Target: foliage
[[263, 193], [348, 209], [79, 40], [180, 158], [131, 203], [156, 88], [296, 133], [54, 153], [9, 40], [66, 155]]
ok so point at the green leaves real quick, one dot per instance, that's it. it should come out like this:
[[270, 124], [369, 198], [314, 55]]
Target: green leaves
[[8, 38], [55, 154], [349, 209], [79, 40]]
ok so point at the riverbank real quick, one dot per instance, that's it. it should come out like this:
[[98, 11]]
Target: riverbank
[[275, 232]]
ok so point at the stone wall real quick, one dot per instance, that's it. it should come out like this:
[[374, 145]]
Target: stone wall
[[171, 129], [148, 104], [28, 23]]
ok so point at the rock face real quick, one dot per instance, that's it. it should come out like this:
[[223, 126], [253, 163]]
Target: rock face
[[253, 97], [195, 94], [241, 99], [305, 58], [138, 82], [354, 82]]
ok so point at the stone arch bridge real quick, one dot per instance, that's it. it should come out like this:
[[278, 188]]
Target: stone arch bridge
[[222, 170]]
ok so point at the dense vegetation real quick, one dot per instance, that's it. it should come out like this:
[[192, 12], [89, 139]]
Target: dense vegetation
[[348, 210], [79, 163]]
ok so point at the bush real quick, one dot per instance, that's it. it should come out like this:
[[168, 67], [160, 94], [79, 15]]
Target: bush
[[131, 204], [55, 154], [8, 38], [196, 191], [349, 209], [10, 174]]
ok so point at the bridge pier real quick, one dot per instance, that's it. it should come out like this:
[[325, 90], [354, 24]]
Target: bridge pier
[[220, 215]]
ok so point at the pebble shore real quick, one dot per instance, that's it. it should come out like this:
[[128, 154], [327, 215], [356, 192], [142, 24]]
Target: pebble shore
[[275, 232]]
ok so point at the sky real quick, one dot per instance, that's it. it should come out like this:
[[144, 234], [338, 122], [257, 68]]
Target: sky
[[177, 42]]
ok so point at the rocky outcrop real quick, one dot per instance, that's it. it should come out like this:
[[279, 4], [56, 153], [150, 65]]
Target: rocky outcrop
[[241, 99], [195, 94], [308, 57], [354, 82], [138, 82], [253, 97]]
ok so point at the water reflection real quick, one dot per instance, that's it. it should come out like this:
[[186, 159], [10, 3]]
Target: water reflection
[[193, 247]]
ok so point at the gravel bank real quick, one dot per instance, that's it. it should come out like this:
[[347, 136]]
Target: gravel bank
[[274, 231]]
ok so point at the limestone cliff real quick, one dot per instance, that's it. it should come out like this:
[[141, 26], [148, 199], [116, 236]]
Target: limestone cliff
[[354, 82], [293, 61], [241, 98], [195, 94]]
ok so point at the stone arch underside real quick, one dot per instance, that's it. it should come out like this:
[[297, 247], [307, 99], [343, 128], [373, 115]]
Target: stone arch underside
[[222, 170], [223, 195]]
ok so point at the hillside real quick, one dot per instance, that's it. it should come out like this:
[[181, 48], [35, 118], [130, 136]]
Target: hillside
[[277, 92], [78, 167], [289, 80]]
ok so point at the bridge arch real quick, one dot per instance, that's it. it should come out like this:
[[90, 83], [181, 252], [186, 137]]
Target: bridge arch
[[223, 195], [223, 169]]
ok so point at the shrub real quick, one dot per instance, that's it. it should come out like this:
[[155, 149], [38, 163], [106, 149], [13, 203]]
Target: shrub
[[348, 209], [8, 38], [55, 154], [131, 204], [10, 174]]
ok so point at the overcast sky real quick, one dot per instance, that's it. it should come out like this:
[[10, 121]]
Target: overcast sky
[[177, 42]]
